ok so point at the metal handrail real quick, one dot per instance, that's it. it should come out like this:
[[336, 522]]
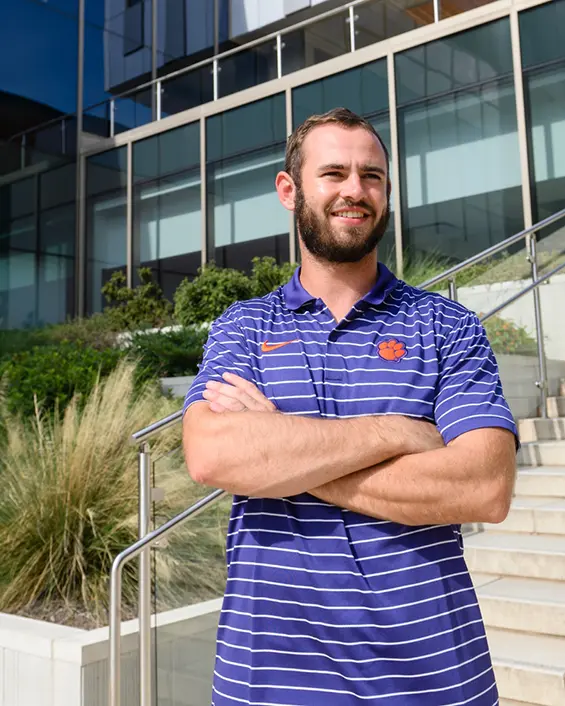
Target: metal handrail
[[116, 592], [200, 64], [522, 292], [493, 250]]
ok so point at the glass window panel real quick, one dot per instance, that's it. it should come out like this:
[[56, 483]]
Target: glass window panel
[[315, 43], [18, 272], [381, 19], [465, 59], [56, 264], [449, 8], [106, 244], [460, 172], [167, 205], [17, 199], [363, 90], [132, 111], [247, 68], [541, 33], [57, 186], [245, 149], [187, 91]]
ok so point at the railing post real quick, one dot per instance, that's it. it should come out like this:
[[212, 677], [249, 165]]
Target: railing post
[[279, 48], [112, 117], [114, 675], [542, 383], [144, 578], [215, 78], [452, 285], [158, 90], [352, 28]]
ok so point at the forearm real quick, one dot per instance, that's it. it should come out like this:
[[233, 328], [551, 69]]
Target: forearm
[[443, 486], [276, 455]]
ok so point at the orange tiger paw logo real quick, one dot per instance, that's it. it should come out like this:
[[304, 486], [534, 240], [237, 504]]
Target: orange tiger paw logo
[[392, 350]]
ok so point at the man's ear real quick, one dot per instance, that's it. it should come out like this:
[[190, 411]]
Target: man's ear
[[286, 190]]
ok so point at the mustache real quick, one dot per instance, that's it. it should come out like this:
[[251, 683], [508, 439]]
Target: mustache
[[351, 205]]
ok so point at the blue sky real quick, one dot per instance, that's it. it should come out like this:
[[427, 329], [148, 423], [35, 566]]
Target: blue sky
[[38, 44]]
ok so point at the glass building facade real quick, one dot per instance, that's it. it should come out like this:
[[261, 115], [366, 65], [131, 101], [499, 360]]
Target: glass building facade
[[469, 96]]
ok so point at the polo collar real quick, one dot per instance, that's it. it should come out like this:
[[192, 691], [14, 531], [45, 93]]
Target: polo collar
[[295, 296]]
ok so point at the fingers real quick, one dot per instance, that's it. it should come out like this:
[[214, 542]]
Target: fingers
[[222, 403], [241, 391]]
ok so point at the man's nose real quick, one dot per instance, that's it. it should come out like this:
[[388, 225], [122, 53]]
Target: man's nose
[[352, 187]]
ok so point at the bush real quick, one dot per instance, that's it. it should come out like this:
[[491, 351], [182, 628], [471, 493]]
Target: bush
[[170, 353], [507, 337], [69, 502], [142, 306], [14, 341], [210, 294], [267, 275], [49, 376]]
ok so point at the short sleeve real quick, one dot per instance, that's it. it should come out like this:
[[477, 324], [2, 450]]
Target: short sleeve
[[469, 393], [225, 351]]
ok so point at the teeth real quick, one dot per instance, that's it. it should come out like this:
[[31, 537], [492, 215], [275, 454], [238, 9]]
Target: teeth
[[351, 214]]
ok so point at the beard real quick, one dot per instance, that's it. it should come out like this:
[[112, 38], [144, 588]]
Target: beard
[[322, 241]]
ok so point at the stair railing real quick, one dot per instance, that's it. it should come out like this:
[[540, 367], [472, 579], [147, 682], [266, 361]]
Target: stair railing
[[141, 548]]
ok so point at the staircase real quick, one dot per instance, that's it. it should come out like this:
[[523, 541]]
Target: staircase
[[518, 568]]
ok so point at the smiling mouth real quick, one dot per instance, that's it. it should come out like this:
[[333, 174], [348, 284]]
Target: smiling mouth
[[352, 215]]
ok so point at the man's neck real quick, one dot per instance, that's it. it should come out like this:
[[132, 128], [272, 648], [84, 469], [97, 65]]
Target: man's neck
[[340, 286]]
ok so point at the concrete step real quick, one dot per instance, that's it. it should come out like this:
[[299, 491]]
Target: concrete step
[[541, 429], [544, 453], [543, 481], [528, 668], [515, 554], [537, 515], [556, 406], [526, 605]]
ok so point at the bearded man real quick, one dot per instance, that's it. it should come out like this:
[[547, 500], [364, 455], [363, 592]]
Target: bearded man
[[374, 426]]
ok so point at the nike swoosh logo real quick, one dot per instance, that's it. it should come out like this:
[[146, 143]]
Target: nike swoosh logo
[[267, 347]]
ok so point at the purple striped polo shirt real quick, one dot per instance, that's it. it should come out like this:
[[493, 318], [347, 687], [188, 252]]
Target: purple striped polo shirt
[[324, 605]]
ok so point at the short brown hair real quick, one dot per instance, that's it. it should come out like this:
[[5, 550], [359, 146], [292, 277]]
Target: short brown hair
[[337, 116]]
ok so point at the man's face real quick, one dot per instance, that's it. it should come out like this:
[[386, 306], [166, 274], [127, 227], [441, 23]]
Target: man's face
[[342, 208]]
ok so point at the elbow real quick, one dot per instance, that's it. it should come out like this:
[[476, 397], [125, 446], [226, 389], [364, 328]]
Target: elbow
[[200, 453], [496, 506]]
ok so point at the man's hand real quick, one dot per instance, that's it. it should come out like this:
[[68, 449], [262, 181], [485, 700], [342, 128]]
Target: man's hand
[[238, 395]]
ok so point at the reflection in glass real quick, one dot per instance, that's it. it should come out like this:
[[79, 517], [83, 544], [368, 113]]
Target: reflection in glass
[[18, 272], [449, 8], [166, 210], [187, 91], [106, 247], [460, 163], [381, 19], [245, 150], [247, 68], [543, 53], [132, 111], [315, 43]]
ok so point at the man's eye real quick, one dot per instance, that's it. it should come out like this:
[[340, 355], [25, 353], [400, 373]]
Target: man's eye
[[332, 174], [370, 175]]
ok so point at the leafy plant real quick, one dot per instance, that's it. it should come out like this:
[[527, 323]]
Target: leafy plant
[[138, 307], [507, 337], [267, 275], [209, 294], [69, 499], [49, 376], [169, 353]]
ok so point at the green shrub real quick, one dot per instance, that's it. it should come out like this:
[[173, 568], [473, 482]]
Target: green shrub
[[97, 331], [507, 337], [170, 353], [142, 306], [68, 504], [209, 294], [14, 341], [49, 376], [267, 275]]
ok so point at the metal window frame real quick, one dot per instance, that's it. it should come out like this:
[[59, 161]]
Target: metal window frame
[[387, 50]]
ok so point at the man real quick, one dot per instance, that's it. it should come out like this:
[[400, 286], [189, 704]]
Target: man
[[374, 426]]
